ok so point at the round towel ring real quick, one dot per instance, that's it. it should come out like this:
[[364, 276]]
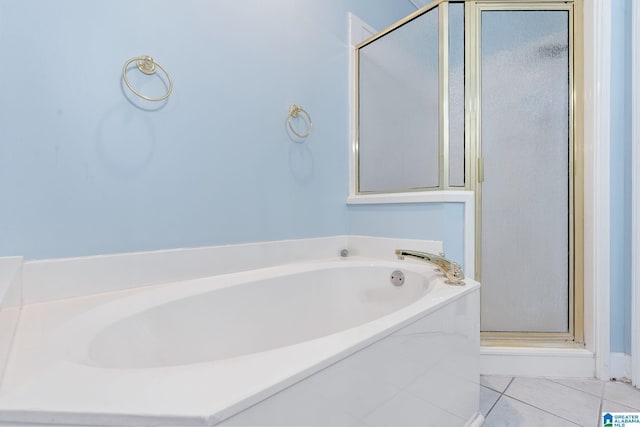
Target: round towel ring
[[147, 65], [294, 110]]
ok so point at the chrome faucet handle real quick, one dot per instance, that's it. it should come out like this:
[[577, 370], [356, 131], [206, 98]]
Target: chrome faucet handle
[[455, 275], [452, 270]]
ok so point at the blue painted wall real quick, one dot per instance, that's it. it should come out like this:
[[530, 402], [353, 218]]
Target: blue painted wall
[[87, 168], [428, 221], [621, 176]]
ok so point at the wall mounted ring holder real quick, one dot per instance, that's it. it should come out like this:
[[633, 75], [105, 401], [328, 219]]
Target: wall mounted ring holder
[[147, 65], [294, 112]]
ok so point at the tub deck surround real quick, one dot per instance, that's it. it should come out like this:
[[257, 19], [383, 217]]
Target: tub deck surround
[[423, 374], [49, 280], [84, 360]]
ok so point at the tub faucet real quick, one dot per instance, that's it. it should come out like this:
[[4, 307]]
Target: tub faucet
[[451, 269]]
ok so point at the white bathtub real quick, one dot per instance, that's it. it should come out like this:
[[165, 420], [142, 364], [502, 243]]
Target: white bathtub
[[316, 343]]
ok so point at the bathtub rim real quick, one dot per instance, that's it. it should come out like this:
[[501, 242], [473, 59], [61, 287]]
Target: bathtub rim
[[216, 414]]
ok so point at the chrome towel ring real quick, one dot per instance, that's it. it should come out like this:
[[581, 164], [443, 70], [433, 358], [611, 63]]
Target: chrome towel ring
[[294, 111], [147, 65]]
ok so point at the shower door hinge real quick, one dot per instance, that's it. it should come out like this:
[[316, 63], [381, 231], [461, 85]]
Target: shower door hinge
[[480, 169]]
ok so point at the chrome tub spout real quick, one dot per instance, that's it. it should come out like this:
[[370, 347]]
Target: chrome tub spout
[[451, 269]]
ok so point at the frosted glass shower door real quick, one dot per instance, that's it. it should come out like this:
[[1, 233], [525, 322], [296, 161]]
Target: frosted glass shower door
[[525, 145]]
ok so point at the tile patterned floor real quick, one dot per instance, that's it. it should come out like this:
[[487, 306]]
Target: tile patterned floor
[[524, 402]]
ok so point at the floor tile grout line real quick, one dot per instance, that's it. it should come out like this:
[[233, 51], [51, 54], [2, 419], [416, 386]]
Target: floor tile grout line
[[499, 397], [496, 390], [600, 406], [617, 402], [543, 410], [601, 395], [600, 411]]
